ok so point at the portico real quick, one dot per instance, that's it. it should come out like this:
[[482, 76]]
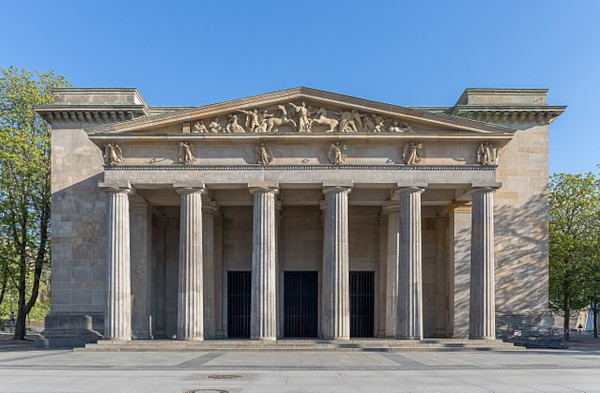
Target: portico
[[229, 221], [259, 238]]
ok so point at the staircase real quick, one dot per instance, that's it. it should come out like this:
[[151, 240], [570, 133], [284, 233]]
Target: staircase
[[312, 345]]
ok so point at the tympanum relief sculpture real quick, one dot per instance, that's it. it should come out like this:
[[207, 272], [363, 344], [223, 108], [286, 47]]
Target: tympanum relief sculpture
[[300, 117], [337, 153], [411, 154], [488, 154], [113, 154]]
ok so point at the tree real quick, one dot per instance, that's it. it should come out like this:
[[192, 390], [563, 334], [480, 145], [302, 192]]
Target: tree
[[25, 183], [573, 212]]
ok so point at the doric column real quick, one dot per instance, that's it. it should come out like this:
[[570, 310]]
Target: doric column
[[263, 310], [336, 291], [391, 209], [209, 210], [190, 324], [117, 319], [482, 319], [410, 292]]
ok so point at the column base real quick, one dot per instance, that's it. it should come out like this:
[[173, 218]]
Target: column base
[[264, 338], [67, 331]]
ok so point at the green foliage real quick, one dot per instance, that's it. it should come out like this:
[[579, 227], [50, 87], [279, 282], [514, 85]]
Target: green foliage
[[25, 184], [574, 212]]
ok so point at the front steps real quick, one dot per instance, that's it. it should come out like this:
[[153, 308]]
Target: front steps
[[310, 345]]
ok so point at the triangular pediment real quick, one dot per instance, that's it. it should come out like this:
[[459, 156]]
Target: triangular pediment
[[300, 110]]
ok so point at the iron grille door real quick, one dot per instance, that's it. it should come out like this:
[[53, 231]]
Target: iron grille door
[[300, 304], [238, 304], [361, 304]]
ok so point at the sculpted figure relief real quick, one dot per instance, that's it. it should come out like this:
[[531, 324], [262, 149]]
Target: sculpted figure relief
[[350, 121], [488, 154], [379, 123], [411, 154], [304, 124], [199, 127], [215, 126], [400, 127], [186, 157], [263, 155], [233, 125], [113, 154], [337, 153], [274, 122], [305, 119], [324, 120], [252, 119]]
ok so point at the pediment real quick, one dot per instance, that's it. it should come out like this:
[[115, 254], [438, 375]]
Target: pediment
[[299, 111]]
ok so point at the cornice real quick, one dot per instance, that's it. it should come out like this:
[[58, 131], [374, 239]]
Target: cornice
[[366, 137], [324, 167], [300, 93], [510, 113]]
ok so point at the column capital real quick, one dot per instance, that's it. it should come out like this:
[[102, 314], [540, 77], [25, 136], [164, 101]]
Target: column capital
[[391, 206], [345, 189], [210, 207], [190, 190], [115, 188], [480, 190], [263, 187], [410, 189]]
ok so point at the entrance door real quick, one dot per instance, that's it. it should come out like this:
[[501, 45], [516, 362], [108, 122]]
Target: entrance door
[[300, 304], [238, 304], [361, 304]]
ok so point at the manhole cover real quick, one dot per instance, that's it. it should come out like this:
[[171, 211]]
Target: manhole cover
[[225, 376]]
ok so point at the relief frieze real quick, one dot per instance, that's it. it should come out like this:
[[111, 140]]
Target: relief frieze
[[299, 117]]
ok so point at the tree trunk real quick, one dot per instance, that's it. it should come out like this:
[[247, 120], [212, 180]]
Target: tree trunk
[[596, 320], [4, 285], [566, 308], [21, 314]]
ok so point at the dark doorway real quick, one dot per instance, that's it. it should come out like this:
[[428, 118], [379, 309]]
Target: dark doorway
[[300, 304], [361, 304], [238, 304]]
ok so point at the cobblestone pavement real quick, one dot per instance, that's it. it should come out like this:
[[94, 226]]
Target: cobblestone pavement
[[28, 370]]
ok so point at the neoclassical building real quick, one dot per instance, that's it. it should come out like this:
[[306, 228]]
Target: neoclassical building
[[297, 213]]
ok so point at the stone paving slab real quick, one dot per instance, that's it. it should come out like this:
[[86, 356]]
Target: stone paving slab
[[28, 371]]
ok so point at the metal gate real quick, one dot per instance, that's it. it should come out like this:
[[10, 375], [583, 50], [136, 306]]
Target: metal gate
[[300, 304], [238, 304], [361, 304]]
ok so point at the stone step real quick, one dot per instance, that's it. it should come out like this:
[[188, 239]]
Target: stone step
[[299, 345]]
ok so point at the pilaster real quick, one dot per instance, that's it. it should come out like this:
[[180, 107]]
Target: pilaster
[[391, 209]]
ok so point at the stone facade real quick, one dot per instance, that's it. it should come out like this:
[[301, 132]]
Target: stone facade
[[299, 213]]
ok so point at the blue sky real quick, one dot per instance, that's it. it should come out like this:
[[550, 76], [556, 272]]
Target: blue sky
[[411, 53]]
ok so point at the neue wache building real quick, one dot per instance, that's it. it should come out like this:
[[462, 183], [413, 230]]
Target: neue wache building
[[297, 214]]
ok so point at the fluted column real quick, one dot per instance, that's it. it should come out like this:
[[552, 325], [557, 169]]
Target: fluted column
[[336, 291], [482, 319], [410, 292], [391, 209], [209, 210], [263, 310], [117, 319], [190, 324]]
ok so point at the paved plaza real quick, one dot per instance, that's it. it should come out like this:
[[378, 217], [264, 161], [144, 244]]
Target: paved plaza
[[25, 369]]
